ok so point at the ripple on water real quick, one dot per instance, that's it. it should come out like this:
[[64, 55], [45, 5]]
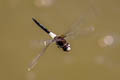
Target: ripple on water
[[43, 3], [109, 40]]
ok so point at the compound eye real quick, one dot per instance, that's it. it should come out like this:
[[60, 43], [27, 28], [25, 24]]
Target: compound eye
[[68, 45], [68, 48]]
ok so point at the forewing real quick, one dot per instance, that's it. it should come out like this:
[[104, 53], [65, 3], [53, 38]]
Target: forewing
[[36, 59], [39, 43], [79, 27]]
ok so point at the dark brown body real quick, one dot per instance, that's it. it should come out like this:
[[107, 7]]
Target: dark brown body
[[61, 42]]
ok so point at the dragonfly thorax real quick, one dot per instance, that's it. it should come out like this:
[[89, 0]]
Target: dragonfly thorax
[[62, 43]]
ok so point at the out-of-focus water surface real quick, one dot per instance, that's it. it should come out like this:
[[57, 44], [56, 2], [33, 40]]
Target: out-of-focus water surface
[[95, 51]]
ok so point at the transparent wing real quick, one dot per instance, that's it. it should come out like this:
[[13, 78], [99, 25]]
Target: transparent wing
[[79, 27], [39, 43], [35, 60]]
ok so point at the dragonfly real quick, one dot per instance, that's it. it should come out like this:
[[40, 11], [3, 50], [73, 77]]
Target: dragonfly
[[60, 41]]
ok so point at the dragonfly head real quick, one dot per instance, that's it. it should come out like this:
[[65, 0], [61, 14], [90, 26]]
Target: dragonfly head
[[68, 47]]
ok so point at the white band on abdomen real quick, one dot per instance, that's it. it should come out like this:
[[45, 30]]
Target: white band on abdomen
[[52, 35]]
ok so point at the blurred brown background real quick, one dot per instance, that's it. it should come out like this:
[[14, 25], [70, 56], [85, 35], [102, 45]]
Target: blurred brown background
[[95, 55]]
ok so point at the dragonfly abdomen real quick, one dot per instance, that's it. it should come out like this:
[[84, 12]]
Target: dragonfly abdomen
[[53, 35], [41, 26]]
